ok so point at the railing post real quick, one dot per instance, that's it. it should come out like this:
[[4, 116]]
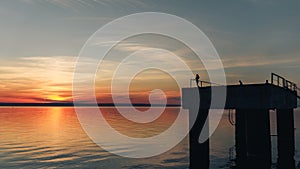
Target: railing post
[[272, 79]]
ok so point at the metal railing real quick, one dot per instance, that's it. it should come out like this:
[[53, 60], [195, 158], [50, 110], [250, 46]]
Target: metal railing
[[282, 82], [275, 80], [202, 83]]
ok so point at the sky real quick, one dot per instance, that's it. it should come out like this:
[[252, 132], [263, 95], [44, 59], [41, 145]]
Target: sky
[[41, 39]]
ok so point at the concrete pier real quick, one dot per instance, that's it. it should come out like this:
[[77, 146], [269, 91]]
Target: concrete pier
[[252, 103]]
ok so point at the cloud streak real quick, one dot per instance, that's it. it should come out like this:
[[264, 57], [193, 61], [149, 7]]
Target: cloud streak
[[77, 4]]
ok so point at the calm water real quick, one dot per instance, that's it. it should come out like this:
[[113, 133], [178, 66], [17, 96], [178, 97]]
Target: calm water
[[53, 138]]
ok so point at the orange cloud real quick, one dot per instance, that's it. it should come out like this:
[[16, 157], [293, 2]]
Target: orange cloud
[[36, 79], [49, 79]]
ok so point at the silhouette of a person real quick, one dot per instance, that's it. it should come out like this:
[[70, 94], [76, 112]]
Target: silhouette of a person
[[197, 80], [241, 83]]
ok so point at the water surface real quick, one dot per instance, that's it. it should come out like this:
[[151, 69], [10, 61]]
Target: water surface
[[51, 137]]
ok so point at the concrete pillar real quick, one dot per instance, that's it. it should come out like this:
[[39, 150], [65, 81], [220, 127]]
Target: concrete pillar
[[240, 138], [199, 153], [286, 138], [253, 140]]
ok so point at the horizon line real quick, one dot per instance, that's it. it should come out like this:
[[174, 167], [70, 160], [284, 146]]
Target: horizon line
[[71, 104]]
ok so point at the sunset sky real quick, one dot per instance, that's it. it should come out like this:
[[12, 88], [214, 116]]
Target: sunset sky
[[40, 40]]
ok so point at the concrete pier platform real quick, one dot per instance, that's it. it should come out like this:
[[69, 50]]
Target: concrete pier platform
[[252, 103]]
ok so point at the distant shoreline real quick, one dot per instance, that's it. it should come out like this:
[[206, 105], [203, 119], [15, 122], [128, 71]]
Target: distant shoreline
[[84, 105]]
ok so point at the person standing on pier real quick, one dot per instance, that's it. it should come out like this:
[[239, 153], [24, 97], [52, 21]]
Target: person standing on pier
[[197, 80]]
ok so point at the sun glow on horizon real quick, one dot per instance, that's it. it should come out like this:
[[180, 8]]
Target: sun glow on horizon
[[58, 98]]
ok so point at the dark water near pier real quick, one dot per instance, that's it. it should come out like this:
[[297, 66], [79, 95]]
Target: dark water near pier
[[51, 137]]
